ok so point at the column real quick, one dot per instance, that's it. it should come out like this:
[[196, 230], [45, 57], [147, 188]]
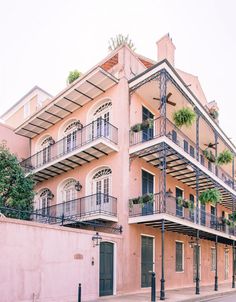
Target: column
[[216, 269], [162, 291], [216, 150], [197, 133], [197, 196], [197, 264], [163, 102], [233, 266]]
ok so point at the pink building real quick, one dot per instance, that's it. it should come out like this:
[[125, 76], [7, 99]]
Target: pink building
[[105, 153]]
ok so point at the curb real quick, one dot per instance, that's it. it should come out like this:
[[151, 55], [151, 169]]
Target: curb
[[210, 297]]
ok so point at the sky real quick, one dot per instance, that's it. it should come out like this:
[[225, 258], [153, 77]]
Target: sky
[[42, 40]]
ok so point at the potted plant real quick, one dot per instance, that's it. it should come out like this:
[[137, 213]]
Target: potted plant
[[210, 196], [136, 128], [209, 155], [184, 117], [225, 157], [142, 200], [180, 201], [147, 124], [214, 113], [147, 198]]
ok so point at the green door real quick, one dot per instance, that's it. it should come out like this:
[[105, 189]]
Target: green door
[[106, 269], [146, 260]]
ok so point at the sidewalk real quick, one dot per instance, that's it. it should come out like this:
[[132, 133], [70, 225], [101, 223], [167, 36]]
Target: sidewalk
[[186, 295]]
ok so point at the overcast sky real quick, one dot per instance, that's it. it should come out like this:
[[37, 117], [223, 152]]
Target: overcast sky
[[42, 40]]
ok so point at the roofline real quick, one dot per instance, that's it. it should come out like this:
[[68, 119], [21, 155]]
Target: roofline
[[184, 84], [22, 98]]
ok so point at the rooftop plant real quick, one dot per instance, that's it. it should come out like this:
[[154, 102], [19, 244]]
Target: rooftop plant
[[73, 75], [120, 40], [184, 117]]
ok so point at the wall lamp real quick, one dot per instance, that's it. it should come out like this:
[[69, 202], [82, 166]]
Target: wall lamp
[[96, 239]]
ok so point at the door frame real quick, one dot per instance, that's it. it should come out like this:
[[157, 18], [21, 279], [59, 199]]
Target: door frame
[[114, 266], [154, 258], [154, 185], [183, 196]]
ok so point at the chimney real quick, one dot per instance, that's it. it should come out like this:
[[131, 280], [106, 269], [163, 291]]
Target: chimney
[[166, 49]]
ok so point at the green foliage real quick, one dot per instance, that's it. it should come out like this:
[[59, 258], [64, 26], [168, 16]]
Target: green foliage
[[184, 117], [73, 75], [188, 204], [225, 157], [147, 124], [233, 216], [120, 40], [210, 196], [141, 200], [209, 155], [16, 190]]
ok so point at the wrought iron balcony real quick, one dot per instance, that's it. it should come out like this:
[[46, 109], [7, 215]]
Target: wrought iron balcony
[[184, 142], [94, 140], [184, 213], [97, 206]]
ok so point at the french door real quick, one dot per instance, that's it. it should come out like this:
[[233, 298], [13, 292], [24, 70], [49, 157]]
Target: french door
[[70, 141], [147, 133], [147, 260], [179, 208], [100, 126], [147, 188]]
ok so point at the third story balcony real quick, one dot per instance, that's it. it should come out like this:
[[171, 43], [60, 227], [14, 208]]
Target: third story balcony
[[81, 146], [143, 138]]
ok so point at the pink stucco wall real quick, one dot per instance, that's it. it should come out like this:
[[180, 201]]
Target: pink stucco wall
[[17, 144], [46, 263]]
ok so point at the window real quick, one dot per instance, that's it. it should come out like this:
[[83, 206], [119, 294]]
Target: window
[[213, 259], [185, 146], [179, 256], [26, 110], [192, 153], [202, 161], [102, 185]]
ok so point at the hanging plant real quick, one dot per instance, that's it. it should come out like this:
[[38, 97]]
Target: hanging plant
[[210, 196], [209, 155], [225, 157], [233, 216], [184, 117]]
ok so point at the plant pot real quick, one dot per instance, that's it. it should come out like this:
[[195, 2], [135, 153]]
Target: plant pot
[[136, 128]]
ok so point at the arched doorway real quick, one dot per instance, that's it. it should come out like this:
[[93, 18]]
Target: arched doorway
[[106, 269]]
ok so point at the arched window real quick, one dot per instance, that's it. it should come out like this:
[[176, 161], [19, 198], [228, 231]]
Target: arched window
[[101, 184], [44, 154], [101, 117], [70, 136], [45, 197], [69, 197]]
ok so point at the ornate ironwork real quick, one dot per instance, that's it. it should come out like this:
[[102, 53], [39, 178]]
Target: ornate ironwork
[[163, 102]]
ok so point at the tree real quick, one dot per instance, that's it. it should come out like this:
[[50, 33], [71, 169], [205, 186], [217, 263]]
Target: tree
[[120, 40], [73, 75], [16, 190]]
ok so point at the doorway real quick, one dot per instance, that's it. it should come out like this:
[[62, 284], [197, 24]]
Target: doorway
[[106, 269], [147, 188], [146, 260]]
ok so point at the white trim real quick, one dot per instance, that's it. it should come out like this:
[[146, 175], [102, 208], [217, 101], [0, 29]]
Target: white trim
[[145, 106], [61, 130], [96, 105], [89, 176], [182, 256]]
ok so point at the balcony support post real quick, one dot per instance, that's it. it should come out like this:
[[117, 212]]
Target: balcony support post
[[162, 180], [162, 291], [197, 196], [197, 133], [233, 265], [233, 175], [216, 268], [197, 292], [216, 149], [163, 80]]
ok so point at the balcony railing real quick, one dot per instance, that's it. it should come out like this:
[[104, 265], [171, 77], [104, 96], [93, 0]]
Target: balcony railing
[[184, 142], [89, 133], [79, 209], [172, 208]]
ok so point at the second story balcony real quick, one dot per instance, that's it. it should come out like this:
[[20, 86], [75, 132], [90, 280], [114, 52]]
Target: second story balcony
[[182, 218], [93, 141], [93, 207]]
